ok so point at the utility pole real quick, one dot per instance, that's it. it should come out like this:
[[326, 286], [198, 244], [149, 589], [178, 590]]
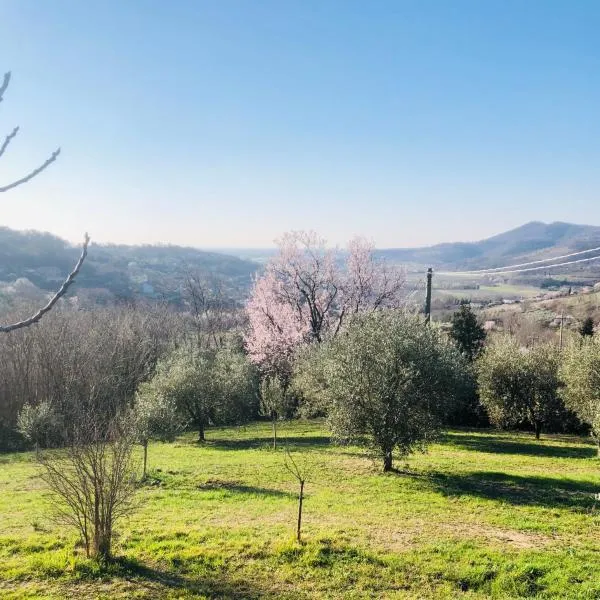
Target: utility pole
[[428, 296], [562, 320]]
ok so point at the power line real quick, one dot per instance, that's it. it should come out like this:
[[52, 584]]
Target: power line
[[534, 262], [509, 270]]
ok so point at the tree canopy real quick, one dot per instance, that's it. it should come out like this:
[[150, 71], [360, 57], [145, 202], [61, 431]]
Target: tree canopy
[[519, 384], [386, 382], [580, 372]]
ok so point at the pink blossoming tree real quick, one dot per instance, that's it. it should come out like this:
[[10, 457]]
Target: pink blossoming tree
[[306, 293]]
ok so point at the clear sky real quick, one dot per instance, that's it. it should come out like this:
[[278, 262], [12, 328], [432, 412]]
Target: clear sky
[[226, 123]]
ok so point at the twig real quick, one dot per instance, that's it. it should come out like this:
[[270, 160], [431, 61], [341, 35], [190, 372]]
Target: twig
[[8, 140], [33, 173], [4, 85], [61, 292]]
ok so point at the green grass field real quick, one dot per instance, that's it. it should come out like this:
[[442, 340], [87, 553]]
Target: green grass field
[[481, 515]]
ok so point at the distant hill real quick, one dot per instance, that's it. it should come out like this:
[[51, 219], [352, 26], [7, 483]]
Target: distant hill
[[34, 263], [532, 241], [119, 271]]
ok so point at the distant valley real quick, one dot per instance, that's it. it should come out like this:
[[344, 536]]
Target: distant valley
[[34, 263]]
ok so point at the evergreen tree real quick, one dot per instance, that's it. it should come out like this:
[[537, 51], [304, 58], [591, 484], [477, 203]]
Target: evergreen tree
[[466, 331], [587, 327]]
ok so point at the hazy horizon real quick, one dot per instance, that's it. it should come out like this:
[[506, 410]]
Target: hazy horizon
[[273, 246]]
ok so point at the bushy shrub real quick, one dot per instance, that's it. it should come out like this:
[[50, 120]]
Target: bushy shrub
[[40, 425]]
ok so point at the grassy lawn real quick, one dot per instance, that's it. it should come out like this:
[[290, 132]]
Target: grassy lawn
[[481, 515]]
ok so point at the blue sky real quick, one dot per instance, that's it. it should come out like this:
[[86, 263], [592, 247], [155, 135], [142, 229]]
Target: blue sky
[[226, 123]]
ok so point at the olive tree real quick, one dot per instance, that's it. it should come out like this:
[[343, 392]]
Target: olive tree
[[518, 384], [580, 373], [386, 382], [156, 417], [209, 387]]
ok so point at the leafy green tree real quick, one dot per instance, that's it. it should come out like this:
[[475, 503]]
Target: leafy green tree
[[587, 327], [213, 387], [519, 384], [156, 417], [580, 373], [387, 380], [273, 402], [467, 332]]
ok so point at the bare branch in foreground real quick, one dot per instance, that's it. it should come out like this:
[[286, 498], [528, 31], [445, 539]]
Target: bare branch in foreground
[[33, 173], [8, 140], [4, 85], [61, 292]]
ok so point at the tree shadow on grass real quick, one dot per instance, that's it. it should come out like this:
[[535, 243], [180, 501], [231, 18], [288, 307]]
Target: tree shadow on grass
[[156, 580], [502, 445], [315, 441], [240, 488], [529, 490]]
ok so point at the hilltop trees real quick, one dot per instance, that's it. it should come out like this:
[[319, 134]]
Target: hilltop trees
[[581, 375], [388, 381], [306, 294], [519, 384]]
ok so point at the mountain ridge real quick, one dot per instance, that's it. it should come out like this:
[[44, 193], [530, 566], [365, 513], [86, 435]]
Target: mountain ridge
[[534, 240]]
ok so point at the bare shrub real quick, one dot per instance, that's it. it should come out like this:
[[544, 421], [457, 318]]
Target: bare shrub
[[77, 354], [92, 479]]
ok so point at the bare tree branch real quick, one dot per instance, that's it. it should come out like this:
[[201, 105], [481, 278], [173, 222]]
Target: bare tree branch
[[33, 173], [61, 292], [70, 278], [8, 140], [4, 85]]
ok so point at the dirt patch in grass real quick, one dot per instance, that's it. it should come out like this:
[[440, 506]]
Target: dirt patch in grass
[[511, 537], [416, 534]]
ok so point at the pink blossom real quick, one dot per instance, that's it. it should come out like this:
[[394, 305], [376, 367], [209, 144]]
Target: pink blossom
[[308, 290]]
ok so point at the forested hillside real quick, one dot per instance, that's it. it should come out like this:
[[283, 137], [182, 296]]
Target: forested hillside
[[112, 271]]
